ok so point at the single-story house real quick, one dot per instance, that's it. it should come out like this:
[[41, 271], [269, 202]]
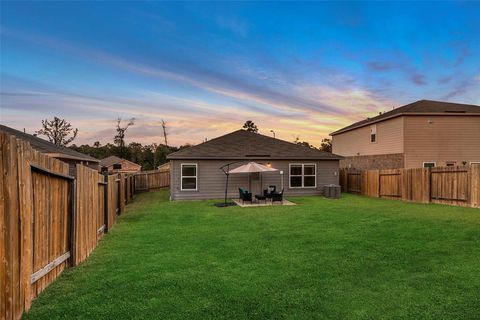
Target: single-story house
[[71, 157], [195, 172], [424, 133], [114, 164]]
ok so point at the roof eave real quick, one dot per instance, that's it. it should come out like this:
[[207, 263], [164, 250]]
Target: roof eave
[[335, 157], [404, 114], [66, 156]]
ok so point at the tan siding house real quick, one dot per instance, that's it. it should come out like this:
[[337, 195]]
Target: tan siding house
[[195, 172], [423, 133], [114, 164]]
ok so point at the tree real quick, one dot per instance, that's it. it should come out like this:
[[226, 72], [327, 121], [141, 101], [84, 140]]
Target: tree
[[164, 127], [57, 131], [326, 145], [119, 138], [303, 143], [250, 126]]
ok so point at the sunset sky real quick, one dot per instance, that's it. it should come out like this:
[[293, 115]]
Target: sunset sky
[[301, 69]]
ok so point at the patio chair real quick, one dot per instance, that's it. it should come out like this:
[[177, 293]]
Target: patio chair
[[277, 196], [245, 195], [267, 193]]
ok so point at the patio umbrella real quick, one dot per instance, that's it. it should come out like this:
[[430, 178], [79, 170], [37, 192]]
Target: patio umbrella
[[252, 167]]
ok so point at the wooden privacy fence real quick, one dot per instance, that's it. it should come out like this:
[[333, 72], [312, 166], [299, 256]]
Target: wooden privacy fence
[[48, 220], [458, 186], [147, 180]]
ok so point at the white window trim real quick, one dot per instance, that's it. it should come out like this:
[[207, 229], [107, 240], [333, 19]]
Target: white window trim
[[434, 163], [182, 176], [302, 175], [474, 162], [373, 131]]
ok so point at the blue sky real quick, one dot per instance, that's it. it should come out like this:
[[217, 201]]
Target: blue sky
[[301, 69]]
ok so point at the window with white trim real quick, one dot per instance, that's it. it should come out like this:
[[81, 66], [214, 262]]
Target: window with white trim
[[188, 178], [429, 164], [373, 133], [303, 175]]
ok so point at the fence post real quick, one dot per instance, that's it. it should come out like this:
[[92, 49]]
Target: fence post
[[119, 193], [73, 225], [105, 200]]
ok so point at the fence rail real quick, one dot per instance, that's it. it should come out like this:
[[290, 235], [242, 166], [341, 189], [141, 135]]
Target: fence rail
[[459, 186], [147, 180], [49, 220]]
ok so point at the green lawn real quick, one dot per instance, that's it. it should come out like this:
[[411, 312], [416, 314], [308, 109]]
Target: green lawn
[[353, 258]]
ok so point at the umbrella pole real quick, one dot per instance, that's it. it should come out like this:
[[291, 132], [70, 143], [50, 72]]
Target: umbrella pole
[[226, 189]]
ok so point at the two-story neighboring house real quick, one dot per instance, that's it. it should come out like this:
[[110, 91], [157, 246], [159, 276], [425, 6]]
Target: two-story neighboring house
[[421, 134]]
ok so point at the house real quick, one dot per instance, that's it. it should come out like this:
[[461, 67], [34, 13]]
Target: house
[[164, 167], [114, 164], [71, 157], [195, 172], [421, 134]]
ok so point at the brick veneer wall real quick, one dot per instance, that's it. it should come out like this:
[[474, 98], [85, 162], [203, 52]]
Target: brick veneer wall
[[383, 161]]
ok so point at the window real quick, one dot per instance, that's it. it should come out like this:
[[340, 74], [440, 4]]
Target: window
[[303, 175], [117, 166], [188, 176], [373, 133], [450, 163], [429, 164]]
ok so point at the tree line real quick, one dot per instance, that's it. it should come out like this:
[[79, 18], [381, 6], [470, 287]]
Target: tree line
[[150, 156]]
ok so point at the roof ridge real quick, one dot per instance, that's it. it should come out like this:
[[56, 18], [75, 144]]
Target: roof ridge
[[242, 144]]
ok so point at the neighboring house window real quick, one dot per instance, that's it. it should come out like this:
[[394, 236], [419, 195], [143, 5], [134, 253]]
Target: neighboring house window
[[117, 166], [188, 176], [303, 175], [429, 164], [373, 133], [451, 163]]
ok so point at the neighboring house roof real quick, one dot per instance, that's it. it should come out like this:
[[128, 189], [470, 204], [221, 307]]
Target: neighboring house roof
[[420, 107], [242, 144], [47, 147], [110, 161]]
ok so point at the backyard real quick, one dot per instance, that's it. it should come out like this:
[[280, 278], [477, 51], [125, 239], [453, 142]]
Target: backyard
[[355, 258]]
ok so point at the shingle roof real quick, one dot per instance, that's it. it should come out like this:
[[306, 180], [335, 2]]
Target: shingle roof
[[418, 107], [45, 146], [108, 161], [242, 144]]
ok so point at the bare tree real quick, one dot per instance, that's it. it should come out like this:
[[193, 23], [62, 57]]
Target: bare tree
[[57, 131], [164, 127], [119, 138]]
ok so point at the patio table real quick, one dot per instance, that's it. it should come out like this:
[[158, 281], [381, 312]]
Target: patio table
[[259, 197]]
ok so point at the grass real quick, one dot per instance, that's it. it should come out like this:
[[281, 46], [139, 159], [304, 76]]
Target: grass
[[353, 258]]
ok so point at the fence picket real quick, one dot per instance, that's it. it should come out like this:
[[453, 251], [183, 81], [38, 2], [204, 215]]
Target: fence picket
[[458, 186], [46, 216]]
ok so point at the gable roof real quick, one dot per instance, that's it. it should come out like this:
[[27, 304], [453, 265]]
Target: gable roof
[[108, 161], [47, 147], [417, 108], [242, 144]]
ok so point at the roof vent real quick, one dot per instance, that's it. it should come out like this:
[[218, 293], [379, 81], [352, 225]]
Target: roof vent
[[257, 155]]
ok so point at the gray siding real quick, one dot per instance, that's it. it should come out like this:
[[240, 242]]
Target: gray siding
[[211, 180]]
